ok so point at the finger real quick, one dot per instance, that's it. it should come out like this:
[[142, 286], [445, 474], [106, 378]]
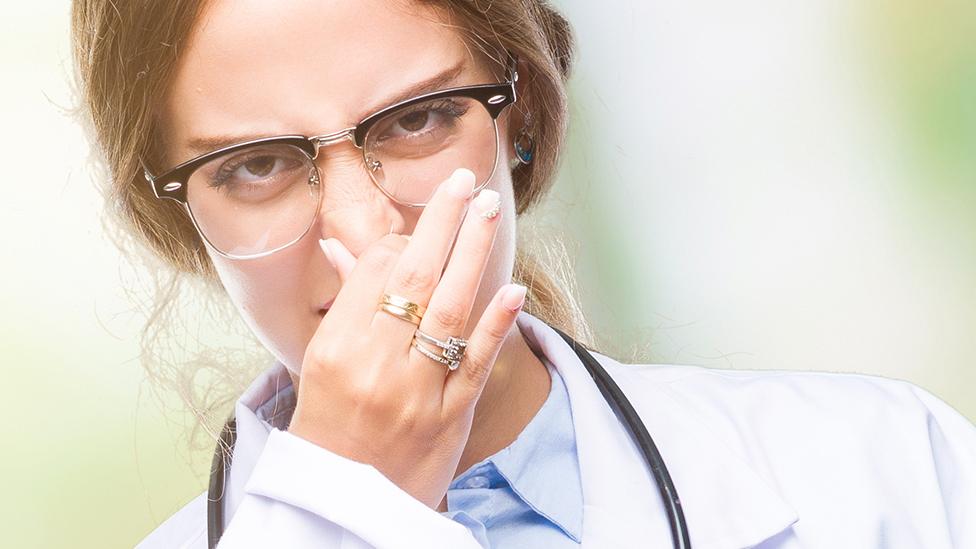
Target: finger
[[465, 384], [339, 256], [451, 303], [420, 265], [361, 291], [455, 294]]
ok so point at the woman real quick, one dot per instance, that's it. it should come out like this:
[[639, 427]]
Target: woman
[[350, 172]]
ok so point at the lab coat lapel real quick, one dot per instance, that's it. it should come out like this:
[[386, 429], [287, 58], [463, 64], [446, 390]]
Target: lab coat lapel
[[252, 433], [727, 504]]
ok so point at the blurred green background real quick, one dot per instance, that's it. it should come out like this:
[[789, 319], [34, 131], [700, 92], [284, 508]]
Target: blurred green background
[[749, 185]]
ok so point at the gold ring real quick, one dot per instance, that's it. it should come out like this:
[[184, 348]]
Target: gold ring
[[404, 303], [402, 313]]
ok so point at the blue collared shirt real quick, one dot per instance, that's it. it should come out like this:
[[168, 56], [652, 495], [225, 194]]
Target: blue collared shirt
[[528, 494]]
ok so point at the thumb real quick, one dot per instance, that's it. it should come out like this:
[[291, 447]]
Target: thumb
[[341, 258]]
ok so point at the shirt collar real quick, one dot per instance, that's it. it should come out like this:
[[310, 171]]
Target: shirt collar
[[540, 466]]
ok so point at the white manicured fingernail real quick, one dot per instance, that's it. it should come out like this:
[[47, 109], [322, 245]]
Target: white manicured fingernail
[[514, 297], [461, 183], [328, 253], [487, 204]]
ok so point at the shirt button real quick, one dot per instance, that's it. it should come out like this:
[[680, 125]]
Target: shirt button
[[476, 482]]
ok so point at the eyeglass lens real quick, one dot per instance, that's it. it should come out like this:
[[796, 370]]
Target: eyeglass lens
[[253, 201]]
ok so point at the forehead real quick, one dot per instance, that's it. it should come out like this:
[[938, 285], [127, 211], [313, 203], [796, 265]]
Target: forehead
[[302, 66]]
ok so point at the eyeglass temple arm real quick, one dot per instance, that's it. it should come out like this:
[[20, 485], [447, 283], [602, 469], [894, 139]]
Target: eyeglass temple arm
[[164, 185], [150, 178], [512, 66]]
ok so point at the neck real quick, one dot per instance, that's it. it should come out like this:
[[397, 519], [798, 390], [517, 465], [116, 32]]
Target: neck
[[517, 387]]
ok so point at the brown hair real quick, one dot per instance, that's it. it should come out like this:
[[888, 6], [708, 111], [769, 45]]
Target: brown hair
[[125, 53]]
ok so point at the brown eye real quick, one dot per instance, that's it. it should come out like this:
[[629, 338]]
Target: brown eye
[[426, 121], [260, 166], [414, 121], [264, 165]]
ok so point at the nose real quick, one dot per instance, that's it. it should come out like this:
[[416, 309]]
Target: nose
[[353, 209]]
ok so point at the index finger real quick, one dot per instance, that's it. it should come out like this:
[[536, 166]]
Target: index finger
[[363, 279]]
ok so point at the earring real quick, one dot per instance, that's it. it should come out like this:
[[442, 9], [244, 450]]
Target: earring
[[524, 146]]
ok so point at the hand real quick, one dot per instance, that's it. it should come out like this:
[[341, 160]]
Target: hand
[[365, 393]]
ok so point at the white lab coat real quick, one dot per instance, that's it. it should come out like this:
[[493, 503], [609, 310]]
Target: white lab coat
[[766, 459]]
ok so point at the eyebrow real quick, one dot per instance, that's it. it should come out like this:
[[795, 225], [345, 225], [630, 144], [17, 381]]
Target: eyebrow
[[201, 145]]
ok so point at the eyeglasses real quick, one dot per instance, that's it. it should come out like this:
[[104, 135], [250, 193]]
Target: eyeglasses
[[255, 198]]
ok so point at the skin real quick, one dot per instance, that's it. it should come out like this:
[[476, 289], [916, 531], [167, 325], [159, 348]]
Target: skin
[[261, 68]]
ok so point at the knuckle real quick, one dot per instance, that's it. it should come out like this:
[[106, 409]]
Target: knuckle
[[380, 257], [395, 242], [497, 333], [415, 280], [412, 418], [475, 372], [365, 392], [476, 366], [449, 316], [320, 356], [482, 244]]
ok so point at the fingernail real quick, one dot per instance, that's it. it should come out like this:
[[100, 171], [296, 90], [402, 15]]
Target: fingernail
[[461, 183], [514, 297], [487, 204], [324, 243]]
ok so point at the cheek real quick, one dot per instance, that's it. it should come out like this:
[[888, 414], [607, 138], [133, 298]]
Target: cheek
[[275, 298]]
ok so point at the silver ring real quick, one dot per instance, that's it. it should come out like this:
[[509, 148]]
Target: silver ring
[[433, 356], [452, 350], [451, 343]]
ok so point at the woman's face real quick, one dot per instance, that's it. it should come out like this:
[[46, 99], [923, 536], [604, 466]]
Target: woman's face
[[253, 67]]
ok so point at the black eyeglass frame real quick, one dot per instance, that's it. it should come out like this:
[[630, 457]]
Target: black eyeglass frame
[[172, 183]]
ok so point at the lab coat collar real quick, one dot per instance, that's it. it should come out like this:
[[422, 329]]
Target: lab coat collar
[[266, 404], [727, 504]]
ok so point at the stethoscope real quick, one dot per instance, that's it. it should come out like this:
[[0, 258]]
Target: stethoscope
[[611, 393]]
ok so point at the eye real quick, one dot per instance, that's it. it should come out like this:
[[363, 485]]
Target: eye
[[414, 121], [263, 167], [260, 166], [419, 121]]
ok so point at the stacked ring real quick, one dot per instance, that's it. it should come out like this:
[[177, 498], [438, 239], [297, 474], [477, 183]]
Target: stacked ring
[[452, 350], [403, 303], [402, 308]]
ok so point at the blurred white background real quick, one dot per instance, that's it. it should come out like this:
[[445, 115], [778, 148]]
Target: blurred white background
[[778, 185]]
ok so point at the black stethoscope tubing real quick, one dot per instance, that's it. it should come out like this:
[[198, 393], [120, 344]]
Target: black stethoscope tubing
[[611, 393]]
